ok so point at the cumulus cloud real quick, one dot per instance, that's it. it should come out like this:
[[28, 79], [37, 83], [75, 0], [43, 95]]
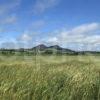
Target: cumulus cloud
[[42, 5], [86, 28], [26, 36], [83, 37], [87, 34], [53, 41], [81, 30], [81, 33]]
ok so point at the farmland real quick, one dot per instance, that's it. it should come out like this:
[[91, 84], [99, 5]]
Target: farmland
[[50, 77]]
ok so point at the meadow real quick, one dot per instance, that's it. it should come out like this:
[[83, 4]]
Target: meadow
[[50, 77]]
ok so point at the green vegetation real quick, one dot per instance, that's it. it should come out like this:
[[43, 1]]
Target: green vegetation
[[45, 50], [49, 77]]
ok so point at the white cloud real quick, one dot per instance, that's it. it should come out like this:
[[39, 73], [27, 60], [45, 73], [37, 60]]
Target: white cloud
[[38, 24], [1, 30], [81, 33], [87, 34], [42, 5], [9, 20], [83, 37], [26, 36], [8, 45], [53, 40], [7, 7], [81, 30], [7, 11], [86, 28]]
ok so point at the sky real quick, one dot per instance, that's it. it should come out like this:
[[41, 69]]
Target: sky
[[73, 24]]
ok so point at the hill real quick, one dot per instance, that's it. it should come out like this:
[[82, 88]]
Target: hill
[[45, 50]]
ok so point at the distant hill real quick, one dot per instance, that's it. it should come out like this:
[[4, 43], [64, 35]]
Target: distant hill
[[43, 49], [55, 49]]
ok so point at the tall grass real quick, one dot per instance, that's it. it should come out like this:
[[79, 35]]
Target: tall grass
[[49, 78]]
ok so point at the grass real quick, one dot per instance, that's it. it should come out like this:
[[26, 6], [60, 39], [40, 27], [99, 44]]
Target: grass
[[49, 78]]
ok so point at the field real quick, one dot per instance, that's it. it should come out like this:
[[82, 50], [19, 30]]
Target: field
[[50, 77]]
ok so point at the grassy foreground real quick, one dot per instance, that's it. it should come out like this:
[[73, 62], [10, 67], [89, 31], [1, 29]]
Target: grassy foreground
[[50, 78]]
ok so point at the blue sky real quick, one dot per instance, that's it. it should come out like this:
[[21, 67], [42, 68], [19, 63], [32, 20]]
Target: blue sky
[[73, 24]]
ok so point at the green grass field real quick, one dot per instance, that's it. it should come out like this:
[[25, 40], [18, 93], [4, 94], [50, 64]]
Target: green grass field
[[49, 78]]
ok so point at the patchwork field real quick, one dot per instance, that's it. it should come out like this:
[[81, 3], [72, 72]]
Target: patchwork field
[[49, 78]]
